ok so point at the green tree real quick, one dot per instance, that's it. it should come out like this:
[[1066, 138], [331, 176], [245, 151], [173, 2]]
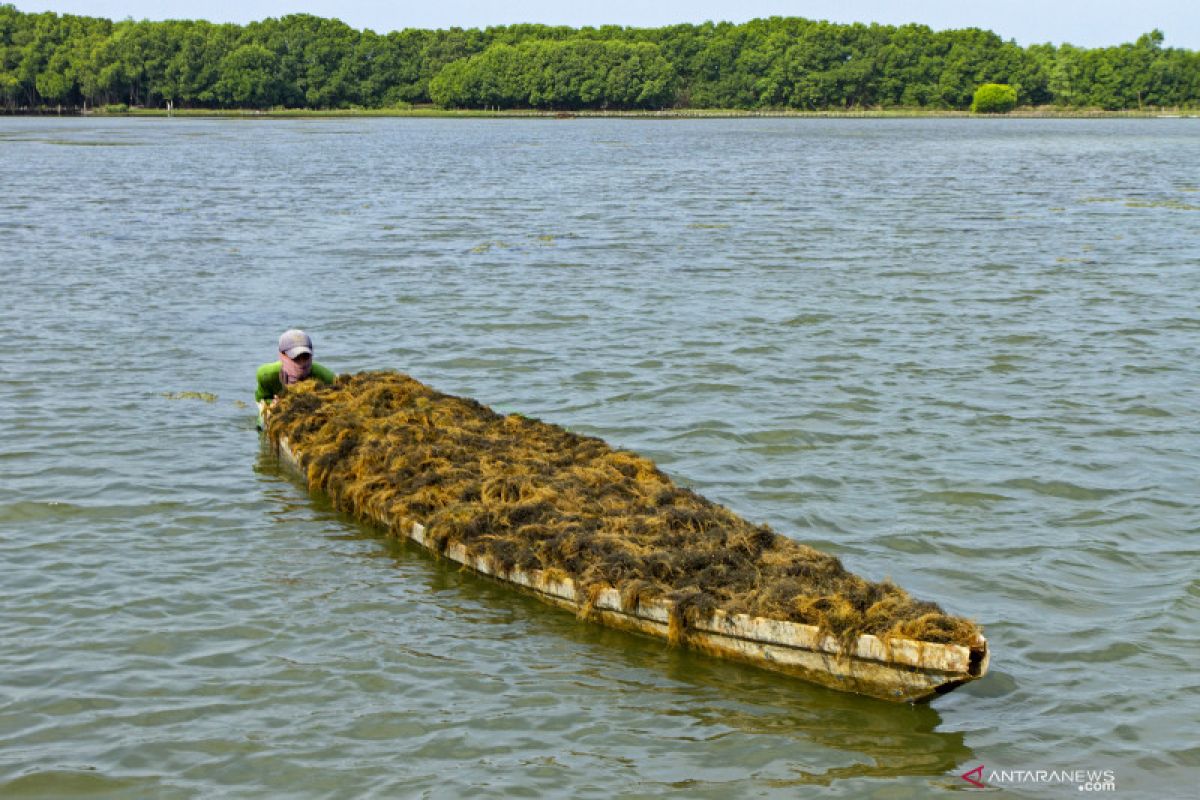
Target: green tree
[[571, 74], [301, 60], [56, 81], [994, 98], [190, 77], [248, 78]]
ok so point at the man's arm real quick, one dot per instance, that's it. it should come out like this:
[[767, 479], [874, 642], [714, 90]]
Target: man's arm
[[267, 382], [323, 374]]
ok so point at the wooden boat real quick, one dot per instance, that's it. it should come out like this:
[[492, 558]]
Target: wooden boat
[[901, 670]]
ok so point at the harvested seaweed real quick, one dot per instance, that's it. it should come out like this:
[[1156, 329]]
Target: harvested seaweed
[[532, 496]]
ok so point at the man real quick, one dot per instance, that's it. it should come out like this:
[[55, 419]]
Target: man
[[295, 364]]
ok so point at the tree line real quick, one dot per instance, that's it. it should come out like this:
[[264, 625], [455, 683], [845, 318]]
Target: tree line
[[49, 60]]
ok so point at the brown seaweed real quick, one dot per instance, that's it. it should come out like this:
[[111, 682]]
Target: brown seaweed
[[530, 495]]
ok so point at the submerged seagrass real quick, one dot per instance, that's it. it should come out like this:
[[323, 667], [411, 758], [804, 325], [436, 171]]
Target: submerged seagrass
[[530, 495]]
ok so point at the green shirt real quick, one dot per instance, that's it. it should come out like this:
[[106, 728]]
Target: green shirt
[[270, 385]]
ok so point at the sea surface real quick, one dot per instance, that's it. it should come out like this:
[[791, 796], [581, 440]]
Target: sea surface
[[959, 353]]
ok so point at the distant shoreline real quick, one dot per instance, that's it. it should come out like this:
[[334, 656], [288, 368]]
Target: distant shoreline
[[1038, 112]]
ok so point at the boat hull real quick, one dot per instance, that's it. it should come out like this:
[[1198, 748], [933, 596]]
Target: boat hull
[[900, 670]]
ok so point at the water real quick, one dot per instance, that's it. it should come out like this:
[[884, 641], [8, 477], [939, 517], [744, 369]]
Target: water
[[958, 353]]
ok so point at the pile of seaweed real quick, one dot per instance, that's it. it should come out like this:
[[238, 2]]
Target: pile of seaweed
[[526, 494]]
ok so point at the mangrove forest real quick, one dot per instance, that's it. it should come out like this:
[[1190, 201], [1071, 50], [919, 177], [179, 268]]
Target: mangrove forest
[[52, 61]]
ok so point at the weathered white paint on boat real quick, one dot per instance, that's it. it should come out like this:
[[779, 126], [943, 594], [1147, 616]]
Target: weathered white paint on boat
[[892, 669]]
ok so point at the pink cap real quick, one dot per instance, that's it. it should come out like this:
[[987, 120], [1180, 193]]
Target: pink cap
[[295, 342]]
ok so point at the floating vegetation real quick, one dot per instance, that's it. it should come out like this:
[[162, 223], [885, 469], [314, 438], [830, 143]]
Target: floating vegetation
[[1174, 204], [544, 240], [207, 397], [524, 494], [709, 226], [1177, 205]]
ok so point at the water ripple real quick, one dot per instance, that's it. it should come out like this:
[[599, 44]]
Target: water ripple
[[956, 353]]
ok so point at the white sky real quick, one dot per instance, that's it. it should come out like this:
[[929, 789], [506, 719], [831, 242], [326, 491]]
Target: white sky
[[1089, 23]]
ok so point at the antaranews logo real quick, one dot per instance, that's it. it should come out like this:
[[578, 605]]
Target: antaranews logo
[[1086, 780]]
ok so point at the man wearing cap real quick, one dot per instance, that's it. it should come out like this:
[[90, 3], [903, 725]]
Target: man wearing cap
[[295, 364]]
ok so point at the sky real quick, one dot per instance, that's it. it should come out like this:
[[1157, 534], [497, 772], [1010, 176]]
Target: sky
[[1087, 23]]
